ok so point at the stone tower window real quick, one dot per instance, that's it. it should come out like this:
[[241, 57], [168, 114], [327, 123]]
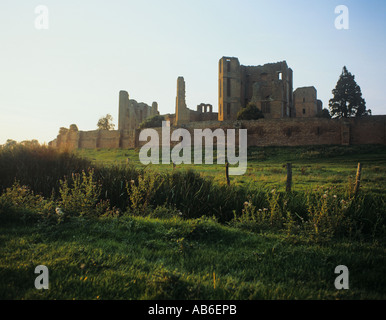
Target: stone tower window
[[228, 109], [228, 87], [280, 76], [228, 66], [304, 111]]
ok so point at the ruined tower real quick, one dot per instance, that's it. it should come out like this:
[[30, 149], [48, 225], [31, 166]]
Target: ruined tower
[[306, 103], [269, 87], [229, 93], [132, 113], [182, 111], [123, 108]]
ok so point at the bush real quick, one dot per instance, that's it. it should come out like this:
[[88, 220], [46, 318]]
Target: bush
[[40, 168], [250, 112], [152, 122], [19, 204], [82, 197]]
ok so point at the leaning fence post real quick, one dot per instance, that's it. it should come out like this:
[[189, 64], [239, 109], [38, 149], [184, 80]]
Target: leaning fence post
[[227, 173], [358, 179], [289, 177]]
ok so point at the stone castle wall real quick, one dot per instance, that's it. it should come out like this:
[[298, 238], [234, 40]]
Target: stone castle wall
[[263, 132], [300, 132]]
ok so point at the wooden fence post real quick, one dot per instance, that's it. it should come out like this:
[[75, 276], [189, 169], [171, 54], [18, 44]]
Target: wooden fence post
[[289, 177], [227, 173], [358, 179]]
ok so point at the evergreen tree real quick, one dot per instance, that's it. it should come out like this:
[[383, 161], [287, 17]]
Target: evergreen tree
[[347, 101]]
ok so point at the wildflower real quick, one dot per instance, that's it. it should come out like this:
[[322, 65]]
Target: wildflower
[[132, 181], [325, 196], [246, 203], [59, 211], [265, 209], [273, 190], [335, 196], [260, 210]]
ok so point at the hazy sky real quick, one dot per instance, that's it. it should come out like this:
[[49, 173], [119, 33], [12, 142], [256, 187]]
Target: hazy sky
[[73, 72]]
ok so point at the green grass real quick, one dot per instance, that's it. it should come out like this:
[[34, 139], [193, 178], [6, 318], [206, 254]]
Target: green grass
[[144, 258], [154, 243], [312, 166]]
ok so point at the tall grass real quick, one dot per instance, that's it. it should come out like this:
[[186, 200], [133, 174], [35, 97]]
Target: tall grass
[[58, 184]]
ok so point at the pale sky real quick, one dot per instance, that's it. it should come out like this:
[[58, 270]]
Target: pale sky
[[73, 71]]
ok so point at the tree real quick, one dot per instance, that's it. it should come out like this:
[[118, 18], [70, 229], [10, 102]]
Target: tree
[[250, 112], [324, 114], [347, 101], [105, 123], [152, 122]]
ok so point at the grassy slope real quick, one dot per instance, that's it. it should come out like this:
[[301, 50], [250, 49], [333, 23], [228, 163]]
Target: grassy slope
[[141, 258]]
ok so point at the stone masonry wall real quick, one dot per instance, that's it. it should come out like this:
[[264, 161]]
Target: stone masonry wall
[[263, 132]]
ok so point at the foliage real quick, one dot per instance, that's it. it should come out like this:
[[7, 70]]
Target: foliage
[[105, 123], [347, 100], [20, 204], [324, 113], [38, 167], [81, 197], [128, 190], [159, 243], [250, 112], [152, 122]]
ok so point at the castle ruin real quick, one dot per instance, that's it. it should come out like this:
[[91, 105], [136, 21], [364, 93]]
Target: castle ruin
[[290, 116]]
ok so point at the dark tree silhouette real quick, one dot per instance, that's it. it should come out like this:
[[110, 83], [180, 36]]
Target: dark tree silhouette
[[347, 101]]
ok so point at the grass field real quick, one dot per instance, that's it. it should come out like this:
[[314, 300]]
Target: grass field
[[312, 166], [175, 234], [143, 258]]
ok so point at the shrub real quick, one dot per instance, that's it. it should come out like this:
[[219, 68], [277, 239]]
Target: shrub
[[152, 122], [81, 198], [19, 203], [250, 112]]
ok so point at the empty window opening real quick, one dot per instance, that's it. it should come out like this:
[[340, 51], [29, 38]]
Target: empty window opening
[[228, 87], [228, 66], [304, 111], [304, 100], [228, 109], [280, 76]]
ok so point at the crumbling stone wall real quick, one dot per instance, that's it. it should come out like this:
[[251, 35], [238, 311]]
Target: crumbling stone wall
[[132, 113], [268, 86]]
